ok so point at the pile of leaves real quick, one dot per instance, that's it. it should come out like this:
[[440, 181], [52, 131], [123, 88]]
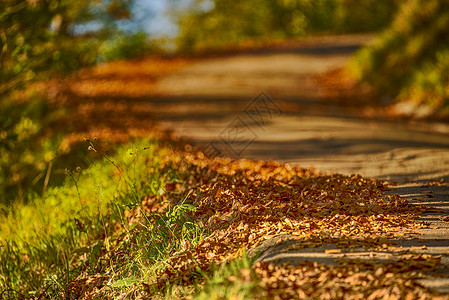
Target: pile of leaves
[[240, 204], [244, 202], [350, 280]]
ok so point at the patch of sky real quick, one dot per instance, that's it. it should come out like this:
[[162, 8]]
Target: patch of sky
[[150, 16]]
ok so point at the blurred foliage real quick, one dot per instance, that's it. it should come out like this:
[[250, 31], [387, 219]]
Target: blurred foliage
[[36, 38], [409, 62], [211, 25], [125, 45], [40, 39], [24, 154]]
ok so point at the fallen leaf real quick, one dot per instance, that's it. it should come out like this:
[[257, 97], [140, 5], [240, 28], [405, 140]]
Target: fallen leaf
[[332, 251], [419, 247]]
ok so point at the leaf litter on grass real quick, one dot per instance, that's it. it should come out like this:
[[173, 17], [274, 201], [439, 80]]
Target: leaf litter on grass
[[239, 204]]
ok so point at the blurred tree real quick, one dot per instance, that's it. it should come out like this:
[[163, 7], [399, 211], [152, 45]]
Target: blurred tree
[[40, 38], [213, 24], [409, 62]]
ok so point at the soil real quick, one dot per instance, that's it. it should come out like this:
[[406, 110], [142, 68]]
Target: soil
[[202, 101]]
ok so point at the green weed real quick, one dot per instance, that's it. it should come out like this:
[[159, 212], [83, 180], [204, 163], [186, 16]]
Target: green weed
[[235, 280]]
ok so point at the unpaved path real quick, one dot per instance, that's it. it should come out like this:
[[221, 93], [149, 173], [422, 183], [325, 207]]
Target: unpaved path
[[216, 104], [208, 101]]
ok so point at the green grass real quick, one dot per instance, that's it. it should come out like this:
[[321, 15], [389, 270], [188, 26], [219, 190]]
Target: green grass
[[235, 280], [52, 241]]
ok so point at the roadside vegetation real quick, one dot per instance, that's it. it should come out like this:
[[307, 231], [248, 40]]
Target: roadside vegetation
[[42, 40], [408, 63]]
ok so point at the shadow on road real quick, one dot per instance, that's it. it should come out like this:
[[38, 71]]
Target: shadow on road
[[199, 100]]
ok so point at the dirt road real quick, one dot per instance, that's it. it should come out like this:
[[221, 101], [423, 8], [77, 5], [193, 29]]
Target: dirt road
[[216, 104], [267, 105]]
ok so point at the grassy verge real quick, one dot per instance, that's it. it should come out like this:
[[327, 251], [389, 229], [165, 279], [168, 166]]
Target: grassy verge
[[48, 241]]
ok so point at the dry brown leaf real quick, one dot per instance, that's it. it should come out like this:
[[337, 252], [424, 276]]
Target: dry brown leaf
[[332, 251]]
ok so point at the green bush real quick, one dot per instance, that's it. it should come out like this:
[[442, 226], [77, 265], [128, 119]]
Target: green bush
[[37, 38], [124, 45], [409, 62], [24, 155]]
